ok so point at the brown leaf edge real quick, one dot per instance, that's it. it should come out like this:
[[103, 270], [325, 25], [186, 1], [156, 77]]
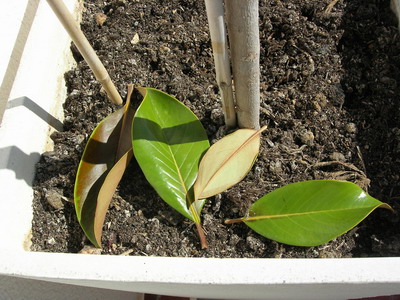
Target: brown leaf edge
[[104, 160]]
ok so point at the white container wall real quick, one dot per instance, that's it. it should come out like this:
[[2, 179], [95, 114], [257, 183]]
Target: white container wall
[[34, 57]]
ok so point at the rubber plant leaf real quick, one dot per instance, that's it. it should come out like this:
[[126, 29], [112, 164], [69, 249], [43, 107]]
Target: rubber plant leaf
[[168, 142], [227, 162], [311, 213], [105, 158]]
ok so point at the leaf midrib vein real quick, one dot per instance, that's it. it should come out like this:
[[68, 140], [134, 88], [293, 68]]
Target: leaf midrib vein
[[254, 218], [195, 216], [228, 158]]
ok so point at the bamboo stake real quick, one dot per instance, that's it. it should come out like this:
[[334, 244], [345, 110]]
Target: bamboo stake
[[245, 52], [77, 36], [215, 15]]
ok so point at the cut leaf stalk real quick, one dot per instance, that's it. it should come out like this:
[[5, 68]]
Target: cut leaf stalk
[[202, 236], [196, 218], [233, 221]]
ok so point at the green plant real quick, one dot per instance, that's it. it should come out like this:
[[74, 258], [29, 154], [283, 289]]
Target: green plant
[[172, 149], [310, 213], [169, 141]]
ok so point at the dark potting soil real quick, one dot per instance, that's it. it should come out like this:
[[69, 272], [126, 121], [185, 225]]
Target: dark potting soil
[[330, 95]]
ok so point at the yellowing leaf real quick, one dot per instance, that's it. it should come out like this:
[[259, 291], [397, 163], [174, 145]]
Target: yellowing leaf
[[227, 162]]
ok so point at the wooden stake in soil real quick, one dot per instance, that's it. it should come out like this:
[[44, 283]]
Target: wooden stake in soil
[[245, 52], [85, 49], [215, 15]]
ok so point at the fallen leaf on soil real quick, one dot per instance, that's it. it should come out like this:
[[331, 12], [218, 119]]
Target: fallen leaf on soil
[[310, 213], [106, 156]]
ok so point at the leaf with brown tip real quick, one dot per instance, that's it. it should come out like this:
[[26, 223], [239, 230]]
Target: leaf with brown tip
[[102, 165], [227, 162]]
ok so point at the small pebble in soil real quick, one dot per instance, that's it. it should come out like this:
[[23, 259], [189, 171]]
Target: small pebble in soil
[[307, 137], [234, 239], [351, 128], [254, 243], [100, 19], [217, 117], [275, 167], [135, 39], [321, 100], [217, 202], [165, 49], [55, 199], [51, 241], [89, 249], [337, 156]]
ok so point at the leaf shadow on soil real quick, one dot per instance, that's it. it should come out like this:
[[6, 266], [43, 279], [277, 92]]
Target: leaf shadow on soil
[[370, 51]]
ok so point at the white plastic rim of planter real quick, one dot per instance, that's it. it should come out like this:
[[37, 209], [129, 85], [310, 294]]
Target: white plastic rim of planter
[[32, 100], [36, 56], [215, 278]]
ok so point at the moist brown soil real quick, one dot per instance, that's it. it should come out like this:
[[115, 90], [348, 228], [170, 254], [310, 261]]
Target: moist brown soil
[[329, 95]]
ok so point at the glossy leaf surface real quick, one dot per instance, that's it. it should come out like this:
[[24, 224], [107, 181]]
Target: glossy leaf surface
[[168, 142], [311, 213], [106, 156], [227, 162]]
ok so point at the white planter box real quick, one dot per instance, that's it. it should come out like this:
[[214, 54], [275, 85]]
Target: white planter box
[[36, 94]]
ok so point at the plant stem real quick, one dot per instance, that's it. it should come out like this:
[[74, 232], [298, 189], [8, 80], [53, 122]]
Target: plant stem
[[244, 40], [232, 221], [197, 220], [202, 236], [215, 15], [79, 39]]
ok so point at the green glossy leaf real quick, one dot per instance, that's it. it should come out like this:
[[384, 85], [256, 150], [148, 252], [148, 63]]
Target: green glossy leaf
[[168, 142], [227, 162], [106, 156], [311, 213]]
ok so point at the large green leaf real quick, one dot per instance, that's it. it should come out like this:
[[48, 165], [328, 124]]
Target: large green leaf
[[227, 162], [311, 213], [106, 156], [168, 142]]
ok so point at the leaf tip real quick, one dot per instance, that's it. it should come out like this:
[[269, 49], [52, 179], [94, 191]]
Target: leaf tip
[[263, 128], [386, 206], [141, 90]]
